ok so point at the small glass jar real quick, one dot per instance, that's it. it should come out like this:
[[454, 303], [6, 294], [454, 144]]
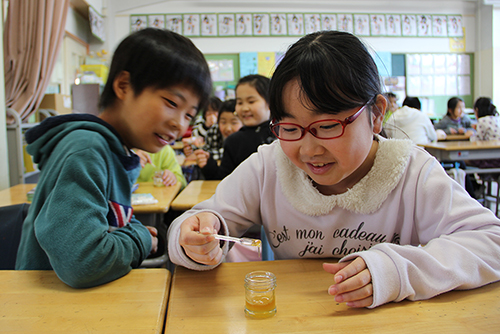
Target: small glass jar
[[158, 178], [260, 299]]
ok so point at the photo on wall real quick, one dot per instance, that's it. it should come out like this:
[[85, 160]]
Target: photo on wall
[[261, 24], [328, 22], [345, 23], [393, 22], [208, 24], [244, 24], [362, 24], [377, 24], [226, 25], [409, 25], [156, 21], [424, 26], [278, 25], [312, 23], [295, 24], [174, 23], [191, 24], [455, 26], [439, 26], [138, 22]]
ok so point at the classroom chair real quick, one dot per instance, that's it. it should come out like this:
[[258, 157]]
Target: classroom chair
[[491, 191], [11, 224], [267, 252]]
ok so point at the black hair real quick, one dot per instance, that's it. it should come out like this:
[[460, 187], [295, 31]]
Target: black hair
[[485, 107], [452, 104], [259, 82], [158, 58], [214, 103], [227, 106], [335, 72], [412, 102], [390, 95]]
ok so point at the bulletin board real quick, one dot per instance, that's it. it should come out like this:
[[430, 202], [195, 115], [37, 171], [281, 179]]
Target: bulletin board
[[224, 68]]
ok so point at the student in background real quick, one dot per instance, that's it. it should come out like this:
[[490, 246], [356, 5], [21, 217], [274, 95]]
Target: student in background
[[252, 107], [488, 120], [80, 222], [392, 105], [487, 128], [331, 187], [455, 121], [227, 124], [409, 122], [207, 119], [162, 161]]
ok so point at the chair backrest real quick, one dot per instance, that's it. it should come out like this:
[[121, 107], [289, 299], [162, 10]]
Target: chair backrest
[[11, 224]]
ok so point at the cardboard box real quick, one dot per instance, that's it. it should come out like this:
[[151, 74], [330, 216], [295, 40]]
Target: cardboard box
[[59, 102]]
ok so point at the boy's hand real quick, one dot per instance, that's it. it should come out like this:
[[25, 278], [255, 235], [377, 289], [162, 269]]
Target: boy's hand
[[187, 149], [353, 282], [169, 178], [154, 240], [201, 158], [144, 156], [211, 120], [196, 237], [453, 131]]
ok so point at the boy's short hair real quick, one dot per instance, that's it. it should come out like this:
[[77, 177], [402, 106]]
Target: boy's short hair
[[227, 106], [158, 58]]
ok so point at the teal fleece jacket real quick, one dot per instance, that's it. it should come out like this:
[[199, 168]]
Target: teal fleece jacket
[[80, 222]]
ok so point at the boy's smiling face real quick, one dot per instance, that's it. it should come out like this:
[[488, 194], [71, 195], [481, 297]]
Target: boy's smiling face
[[154, 118], [335, 165]]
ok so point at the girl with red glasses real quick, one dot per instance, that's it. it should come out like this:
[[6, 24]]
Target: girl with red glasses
[[332, 187]]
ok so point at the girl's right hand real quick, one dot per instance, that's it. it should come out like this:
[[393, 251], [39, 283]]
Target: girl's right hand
[[196, 237], [453, 131]]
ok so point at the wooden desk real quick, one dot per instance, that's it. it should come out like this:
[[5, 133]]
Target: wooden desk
[[16, 194], [177, 146], [37, 301], [196, 191], [164, 195], [456, 137], [213, 302], [464, 150]]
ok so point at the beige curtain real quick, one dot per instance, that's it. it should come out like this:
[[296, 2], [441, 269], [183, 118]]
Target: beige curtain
[[33, 34]]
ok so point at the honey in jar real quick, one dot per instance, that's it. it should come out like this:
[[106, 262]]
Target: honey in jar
[[260, 299]]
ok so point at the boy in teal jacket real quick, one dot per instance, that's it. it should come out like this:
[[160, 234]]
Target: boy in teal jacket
[[80, 223]]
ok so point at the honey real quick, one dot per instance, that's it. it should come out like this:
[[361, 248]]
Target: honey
[[260, 300]]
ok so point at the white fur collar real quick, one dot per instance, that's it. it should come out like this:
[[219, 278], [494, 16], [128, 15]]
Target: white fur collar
[[365, 197]]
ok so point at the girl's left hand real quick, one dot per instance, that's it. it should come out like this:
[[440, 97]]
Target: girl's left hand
[[169, 178], [353, 282]]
